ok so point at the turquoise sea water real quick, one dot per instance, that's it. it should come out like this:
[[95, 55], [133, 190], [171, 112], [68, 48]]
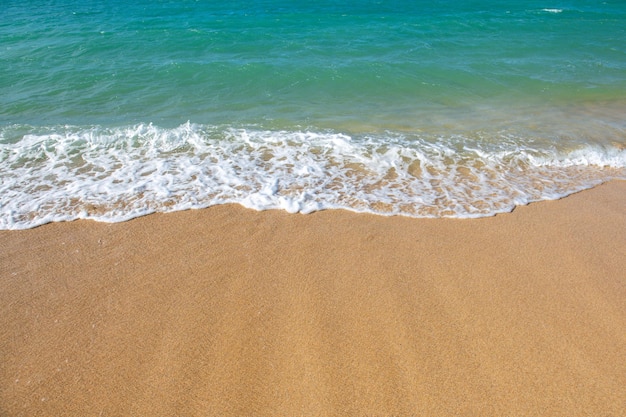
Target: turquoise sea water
[[111, 110]]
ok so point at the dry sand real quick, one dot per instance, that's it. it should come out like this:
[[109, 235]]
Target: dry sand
[[232, 312]]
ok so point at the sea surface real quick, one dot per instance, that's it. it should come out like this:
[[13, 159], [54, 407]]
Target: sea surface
[[114, 109]]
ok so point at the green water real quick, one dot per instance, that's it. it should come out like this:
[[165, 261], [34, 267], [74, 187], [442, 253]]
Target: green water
[[283, 62], [422, 108]]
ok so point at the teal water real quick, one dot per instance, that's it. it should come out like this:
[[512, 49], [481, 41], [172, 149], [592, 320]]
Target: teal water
[[421, 108]]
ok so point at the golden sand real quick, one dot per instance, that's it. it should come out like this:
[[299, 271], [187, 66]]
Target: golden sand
[[233, 312]]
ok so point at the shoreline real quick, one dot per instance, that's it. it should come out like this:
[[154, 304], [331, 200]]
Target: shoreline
[[229, 311]]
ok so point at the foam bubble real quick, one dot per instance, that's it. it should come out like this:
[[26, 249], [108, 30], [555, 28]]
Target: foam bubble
[[65, 173]]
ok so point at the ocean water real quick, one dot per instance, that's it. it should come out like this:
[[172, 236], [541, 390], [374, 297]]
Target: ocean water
[[113, 110]]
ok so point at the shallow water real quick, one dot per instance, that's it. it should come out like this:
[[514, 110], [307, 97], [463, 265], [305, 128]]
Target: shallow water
[[428, 109]]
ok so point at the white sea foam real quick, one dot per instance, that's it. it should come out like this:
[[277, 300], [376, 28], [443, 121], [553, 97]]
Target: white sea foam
[[66, 173], [552, 10]]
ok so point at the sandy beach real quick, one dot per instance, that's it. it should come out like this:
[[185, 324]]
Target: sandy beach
[[233, 312]]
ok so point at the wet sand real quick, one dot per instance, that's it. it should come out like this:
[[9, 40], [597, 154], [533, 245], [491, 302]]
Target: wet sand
[[232, 312]]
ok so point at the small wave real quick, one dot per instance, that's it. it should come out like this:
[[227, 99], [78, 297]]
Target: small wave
[[66, 173], [552, 10]]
